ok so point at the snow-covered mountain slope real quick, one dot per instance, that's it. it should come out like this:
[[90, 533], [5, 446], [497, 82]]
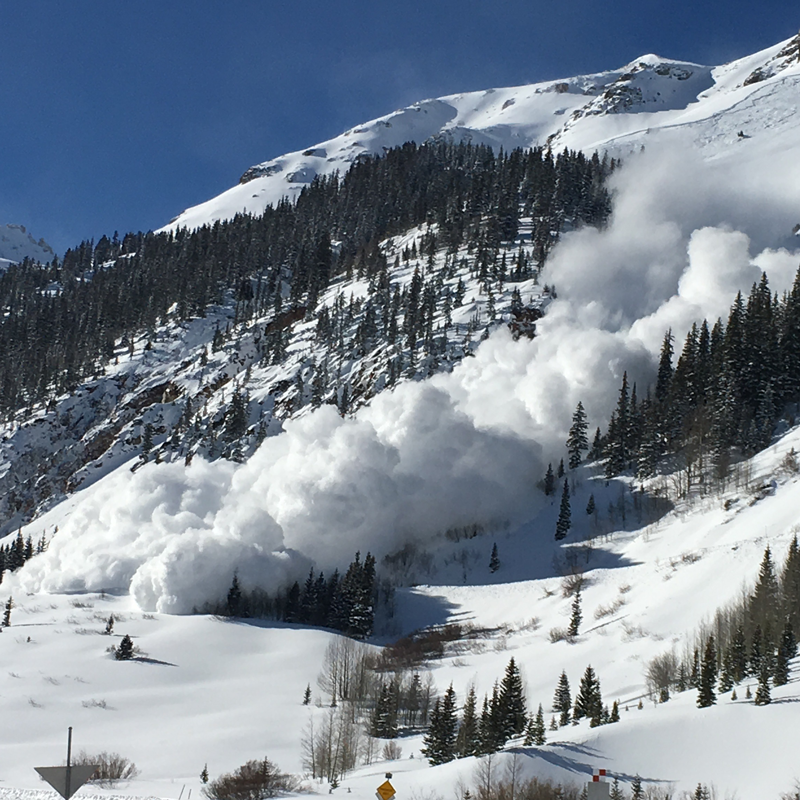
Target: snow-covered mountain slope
[[16, 243], [647, 101], [206, 690]]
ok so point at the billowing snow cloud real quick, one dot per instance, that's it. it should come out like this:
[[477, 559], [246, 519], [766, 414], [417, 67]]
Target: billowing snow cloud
[[462, 448]]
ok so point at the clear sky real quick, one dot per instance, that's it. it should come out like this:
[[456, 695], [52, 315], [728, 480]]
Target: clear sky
[[118, 115]]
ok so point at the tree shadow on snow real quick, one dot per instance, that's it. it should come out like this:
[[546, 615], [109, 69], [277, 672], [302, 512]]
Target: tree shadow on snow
[[579, 759]]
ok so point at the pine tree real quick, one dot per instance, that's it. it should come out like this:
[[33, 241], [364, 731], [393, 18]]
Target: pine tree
[[549, 481], [440, 739], [513, 713], [125, 650], [7, 613], [494, 559], [577, 441], [560, 470], [726, 673], [564, 522], [614, 716], [708, 676], [616, 791], [637, 792], [575, 619], [589, 701], [539, 734], [787, 650], [590, 506], [468, 738], [204, 774], [535, 731], [307, 695], [109, 626], [234, 601], [738, 650], [562, 702], [764, 603], [763, 696]]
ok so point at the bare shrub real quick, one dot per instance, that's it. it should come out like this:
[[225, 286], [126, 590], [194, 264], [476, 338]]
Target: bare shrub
[[111, 767], [254, 780], [572, 583], [662, 673], [392, 751], [606, 611], [558, 635]]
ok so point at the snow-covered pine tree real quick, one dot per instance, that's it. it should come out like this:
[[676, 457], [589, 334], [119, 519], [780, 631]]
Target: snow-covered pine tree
[[124, 651]]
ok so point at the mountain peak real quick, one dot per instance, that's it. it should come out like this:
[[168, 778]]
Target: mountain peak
[[16, 244]]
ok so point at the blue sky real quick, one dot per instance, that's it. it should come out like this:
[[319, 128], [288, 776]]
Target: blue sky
[[117, 116]]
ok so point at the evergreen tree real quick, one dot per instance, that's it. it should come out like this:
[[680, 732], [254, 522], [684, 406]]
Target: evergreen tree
[[494, 559], [549, 481], [590, 506], [147, 440], [440, 739], [726, 673], [589, 701], [575, 618], [577, 441], [234, 600], [708, 676], [562, 702], [307, 695], [468, 739], [204, 774], [384, 715], [513, 713], [763, 696], [765, 601], [125, 650], [637, 792], [564, 522], [738, 651], [614, 716], [560, 470], [787, 650], [535, 732], [7, 612]]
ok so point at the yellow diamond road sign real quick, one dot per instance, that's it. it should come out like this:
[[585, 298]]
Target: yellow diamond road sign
[[386, 791]]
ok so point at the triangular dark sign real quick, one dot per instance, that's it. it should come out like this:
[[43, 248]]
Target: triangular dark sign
[[57, 777]]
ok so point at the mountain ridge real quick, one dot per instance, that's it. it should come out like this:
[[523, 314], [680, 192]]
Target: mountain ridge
[[523, 116]]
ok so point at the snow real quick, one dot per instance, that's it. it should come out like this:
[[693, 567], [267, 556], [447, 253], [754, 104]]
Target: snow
[[644, 102], [221, 691], [16, 243]]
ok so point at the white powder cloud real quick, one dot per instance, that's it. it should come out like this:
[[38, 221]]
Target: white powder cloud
[[462, 448]]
